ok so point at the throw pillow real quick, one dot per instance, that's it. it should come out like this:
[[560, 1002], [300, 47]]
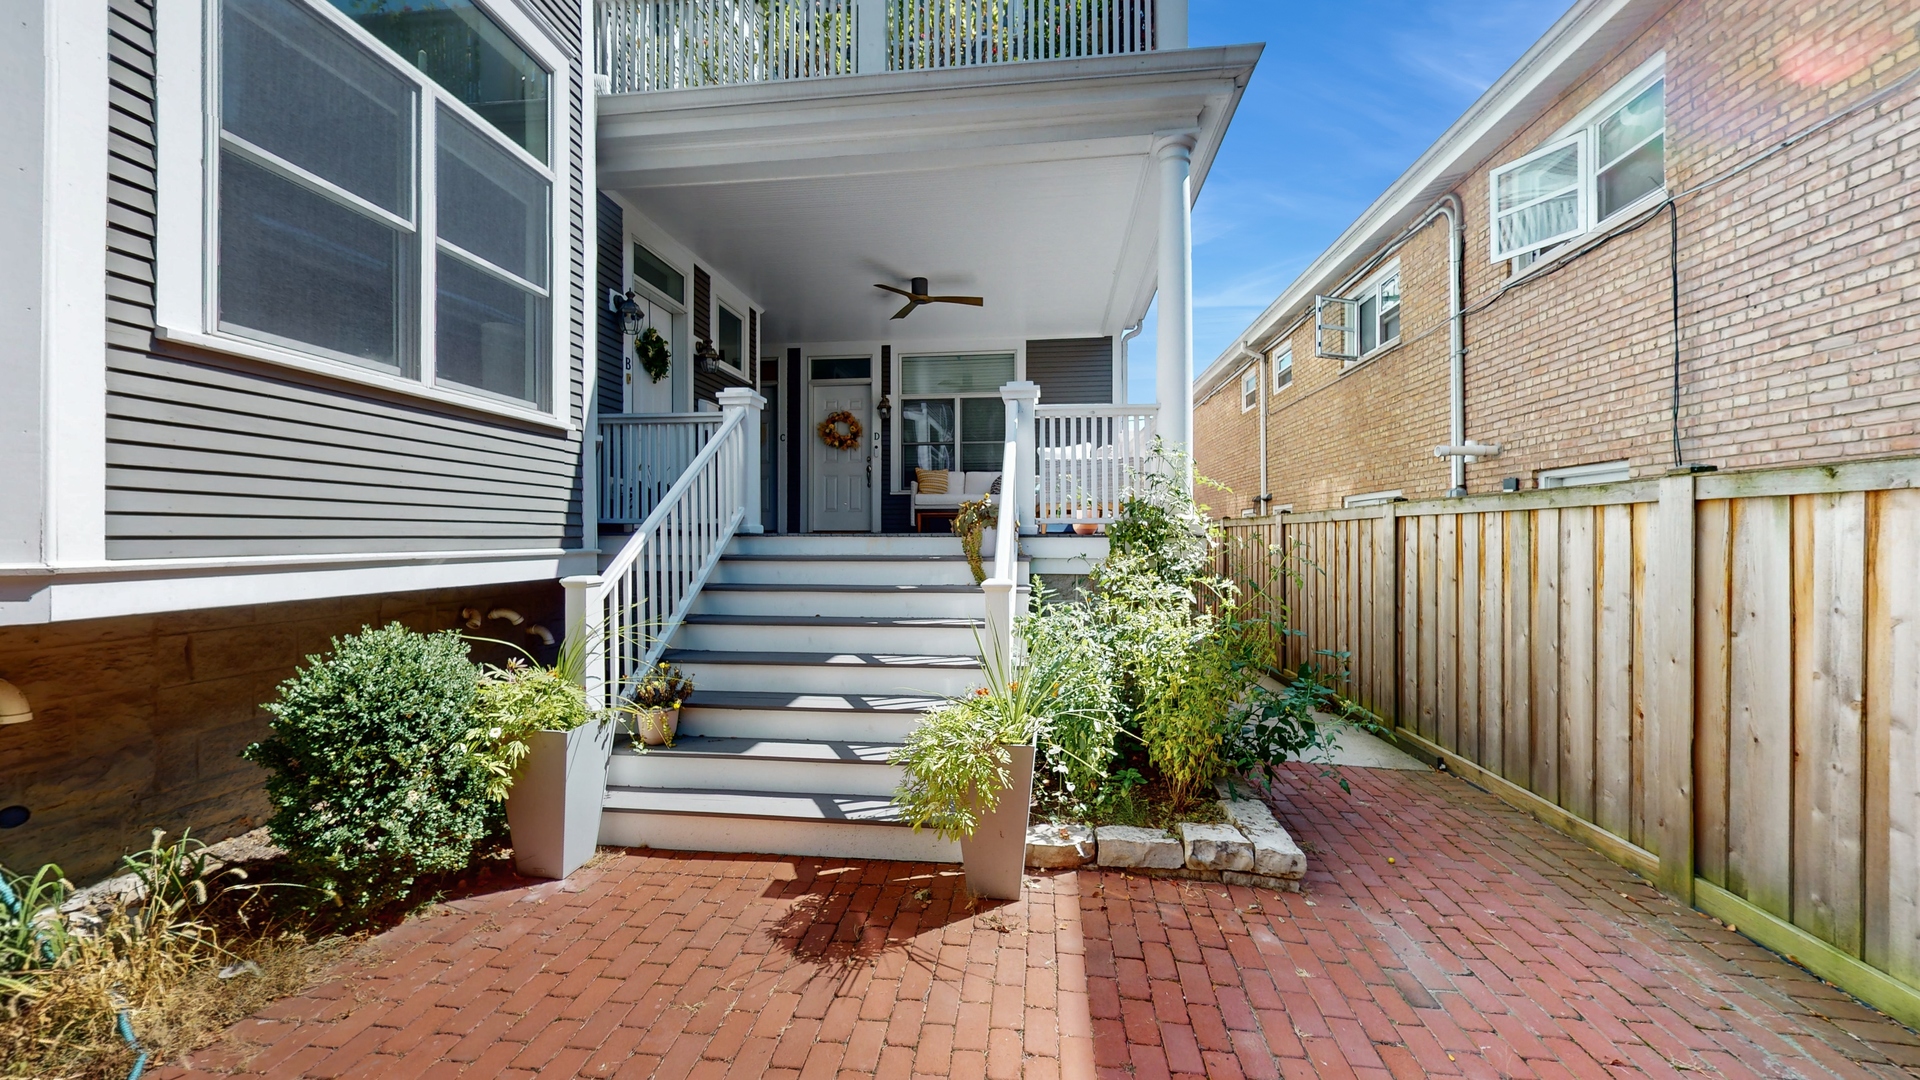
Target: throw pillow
[[932, 481], [995, 489]]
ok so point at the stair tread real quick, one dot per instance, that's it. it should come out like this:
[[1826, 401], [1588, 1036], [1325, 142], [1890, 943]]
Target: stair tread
[[783, 805], [823, 751], [797, 702], [938, 622], [901, 590], [851, 556], [816, 659]]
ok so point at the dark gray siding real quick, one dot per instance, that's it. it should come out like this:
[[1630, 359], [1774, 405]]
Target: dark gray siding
[[610, 223], [1072, 371], [213, 456]]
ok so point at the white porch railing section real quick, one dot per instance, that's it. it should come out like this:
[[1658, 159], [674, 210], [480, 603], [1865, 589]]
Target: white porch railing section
[[1087, 458], [676, 44], [965, 33], [1001, 589], [647, 45], [628, 611], [641, 456]]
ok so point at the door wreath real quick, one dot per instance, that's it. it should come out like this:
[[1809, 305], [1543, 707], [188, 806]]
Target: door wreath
[[831, 434]]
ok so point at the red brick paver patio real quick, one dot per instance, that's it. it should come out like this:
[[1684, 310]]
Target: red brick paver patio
[[1489, 946]]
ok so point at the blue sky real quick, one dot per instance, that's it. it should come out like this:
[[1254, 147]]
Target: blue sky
[[1348, 93]]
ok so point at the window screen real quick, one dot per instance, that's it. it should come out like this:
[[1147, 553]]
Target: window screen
[[1632, 151], [1536, 200]]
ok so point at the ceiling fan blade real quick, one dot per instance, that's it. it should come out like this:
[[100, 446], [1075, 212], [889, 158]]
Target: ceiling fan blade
[[891, 289], [970, 301], [908, 310]]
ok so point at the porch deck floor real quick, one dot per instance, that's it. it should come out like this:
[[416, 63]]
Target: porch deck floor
[[1491, 946]]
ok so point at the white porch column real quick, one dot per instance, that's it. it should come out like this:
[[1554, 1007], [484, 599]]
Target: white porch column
[[742, 399], [1021, 398], [870, 26], [1172, 19], [1173, 352]]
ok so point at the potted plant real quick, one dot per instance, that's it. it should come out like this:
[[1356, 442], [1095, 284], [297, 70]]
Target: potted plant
[[545, 750], [974, 525], [656, 704], [969, 771]]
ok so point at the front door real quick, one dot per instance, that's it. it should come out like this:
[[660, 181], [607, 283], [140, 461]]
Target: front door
[[840, 483]]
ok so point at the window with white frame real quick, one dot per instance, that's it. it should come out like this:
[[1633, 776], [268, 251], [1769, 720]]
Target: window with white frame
[[1373, 498], [951, 413], [1250, 389], [1607, 161], [383, 191], [1283, 369], [1353, 327], [1379, 312], [1604, 472]]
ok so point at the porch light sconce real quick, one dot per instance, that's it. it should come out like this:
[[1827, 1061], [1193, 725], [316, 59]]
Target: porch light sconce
[[13, 705], [706, 357], [885, 407], [630, 314]]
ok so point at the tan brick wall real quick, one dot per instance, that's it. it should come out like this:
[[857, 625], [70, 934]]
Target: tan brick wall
[[139, 722], [1800, 335]]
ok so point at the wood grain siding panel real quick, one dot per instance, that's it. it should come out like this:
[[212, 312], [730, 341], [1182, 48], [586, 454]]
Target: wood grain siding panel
[[1072, 371], [214, 456], [610, 356]]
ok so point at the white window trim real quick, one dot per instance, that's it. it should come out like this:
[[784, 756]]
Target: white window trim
[[740, 309], [1250, 389], [1279, 368], [1601, 472], [1583, 128], [1372, 498], [186, 220], [1359, 296], [897, 367]]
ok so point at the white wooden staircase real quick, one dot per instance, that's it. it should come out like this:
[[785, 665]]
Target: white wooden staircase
[[813, 657]]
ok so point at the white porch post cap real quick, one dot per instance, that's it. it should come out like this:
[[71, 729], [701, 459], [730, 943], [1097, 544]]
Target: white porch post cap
[[740, 397], [1022, 390]]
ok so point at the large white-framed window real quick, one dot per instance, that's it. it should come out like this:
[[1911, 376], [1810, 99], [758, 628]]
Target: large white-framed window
[[1283, 369], [1250, 389], [375, 198], [951, 412], [1610, 160]]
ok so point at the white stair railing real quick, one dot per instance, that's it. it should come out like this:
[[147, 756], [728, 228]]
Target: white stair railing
[[627, 613], [1087, 458], [1016, 492], [641, 456]]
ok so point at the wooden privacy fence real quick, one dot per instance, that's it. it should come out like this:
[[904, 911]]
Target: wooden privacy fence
[[1714, 679]]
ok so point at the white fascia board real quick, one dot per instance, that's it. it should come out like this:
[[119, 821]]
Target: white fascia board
[[73, 345], [145, 588], [1581, 38]]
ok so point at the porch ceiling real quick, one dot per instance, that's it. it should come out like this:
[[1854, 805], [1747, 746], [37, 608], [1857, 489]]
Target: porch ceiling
[[1028, 184]]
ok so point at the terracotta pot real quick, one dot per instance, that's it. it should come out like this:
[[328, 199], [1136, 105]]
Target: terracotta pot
[[553, 808], [996, 854], [1086, 528], [658, 727]]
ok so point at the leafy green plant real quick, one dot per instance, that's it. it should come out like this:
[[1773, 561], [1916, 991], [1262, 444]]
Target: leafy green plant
[[665, 687], [970, 525], [510, 704], [33, 938], [956, 763], [371, 782], [1076, 751]]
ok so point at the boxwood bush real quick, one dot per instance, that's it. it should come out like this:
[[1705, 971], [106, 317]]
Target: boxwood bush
[[370, 785]]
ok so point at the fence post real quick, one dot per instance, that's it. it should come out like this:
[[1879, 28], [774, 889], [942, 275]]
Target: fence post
[[870, 36], [1670, 681], [584, 625], [741, 399]]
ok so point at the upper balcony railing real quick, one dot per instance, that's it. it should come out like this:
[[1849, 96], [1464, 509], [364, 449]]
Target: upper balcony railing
[[674, 44]]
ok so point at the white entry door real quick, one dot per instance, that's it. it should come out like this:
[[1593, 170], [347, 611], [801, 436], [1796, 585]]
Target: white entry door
[[839, 489]]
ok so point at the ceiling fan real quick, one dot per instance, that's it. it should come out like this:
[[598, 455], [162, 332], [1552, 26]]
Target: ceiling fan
[[918, 296]]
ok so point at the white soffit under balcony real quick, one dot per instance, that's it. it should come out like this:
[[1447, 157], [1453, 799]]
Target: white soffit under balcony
[[1030, 184]]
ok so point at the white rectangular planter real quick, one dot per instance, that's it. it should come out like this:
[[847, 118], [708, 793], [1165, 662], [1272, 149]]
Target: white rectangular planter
[[996, 854], [553, 808]]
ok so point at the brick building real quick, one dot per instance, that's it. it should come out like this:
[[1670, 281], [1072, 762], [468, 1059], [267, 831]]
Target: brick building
[[1760, 159]]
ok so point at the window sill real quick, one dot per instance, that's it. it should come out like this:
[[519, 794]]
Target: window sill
[[1568, 248], [345, 372], [1379, 351]]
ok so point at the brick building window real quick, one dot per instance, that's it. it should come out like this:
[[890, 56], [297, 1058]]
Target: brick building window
[[1603, 472], [1351, 328], [1603, 164], [1250, 389], [1283, 369]]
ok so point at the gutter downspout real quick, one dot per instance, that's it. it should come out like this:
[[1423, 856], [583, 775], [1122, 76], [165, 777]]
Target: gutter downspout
[[1449, 206], [1260, 372], [1126, 343]]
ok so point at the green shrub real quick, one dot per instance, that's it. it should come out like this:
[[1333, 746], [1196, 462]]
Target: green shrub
[[370, 783]]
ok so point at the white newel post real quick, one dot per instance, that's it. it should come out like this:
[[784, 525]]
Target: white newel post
[[870, 36], [1173, 353], [1022, 399], [741, 399], [1171, 20], [583, 621]]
